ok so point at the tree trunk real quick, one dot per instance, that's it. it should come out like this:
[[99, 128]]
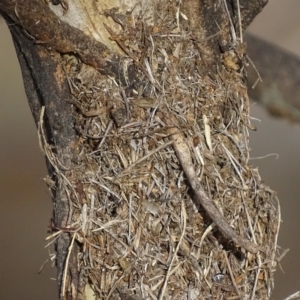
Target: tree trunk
[[143, 115]]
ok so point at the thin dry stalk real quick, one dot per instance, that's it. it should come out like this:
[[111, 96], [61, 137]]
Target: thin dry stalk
[[183, 216]]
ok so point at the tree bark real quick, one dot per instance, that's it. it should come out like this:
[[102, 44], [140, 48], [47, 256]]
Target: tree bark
[[274, 79], [143, 115]]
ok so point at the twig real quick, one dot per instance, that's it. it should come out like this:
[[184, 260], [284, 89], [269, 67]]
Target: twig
[[258, 75], [183, 153], [276, 235], [231, 24], [294, 296]]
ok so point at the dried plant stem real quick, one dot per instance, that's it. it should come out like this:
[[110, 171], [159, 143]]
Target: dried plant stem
[[91, 112], [183, 215], [183, 153], [63, 290], [231, 274], [240, 20], [145, 157]]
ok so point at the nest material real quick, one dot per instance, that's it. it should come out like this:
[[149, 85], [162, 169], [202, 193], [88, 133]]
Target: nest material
[[133, 212]]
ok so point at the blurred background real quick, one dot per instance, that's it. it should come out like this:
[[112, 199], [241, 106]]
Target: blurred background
[[25, 204]]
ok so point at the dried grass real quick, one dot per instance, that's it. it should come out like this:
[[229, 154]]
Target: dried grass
[[133, 215]]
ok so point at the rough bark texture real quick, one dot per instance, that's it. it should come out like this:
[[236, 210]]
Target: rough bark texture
[[46, 85], [143, 116]]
